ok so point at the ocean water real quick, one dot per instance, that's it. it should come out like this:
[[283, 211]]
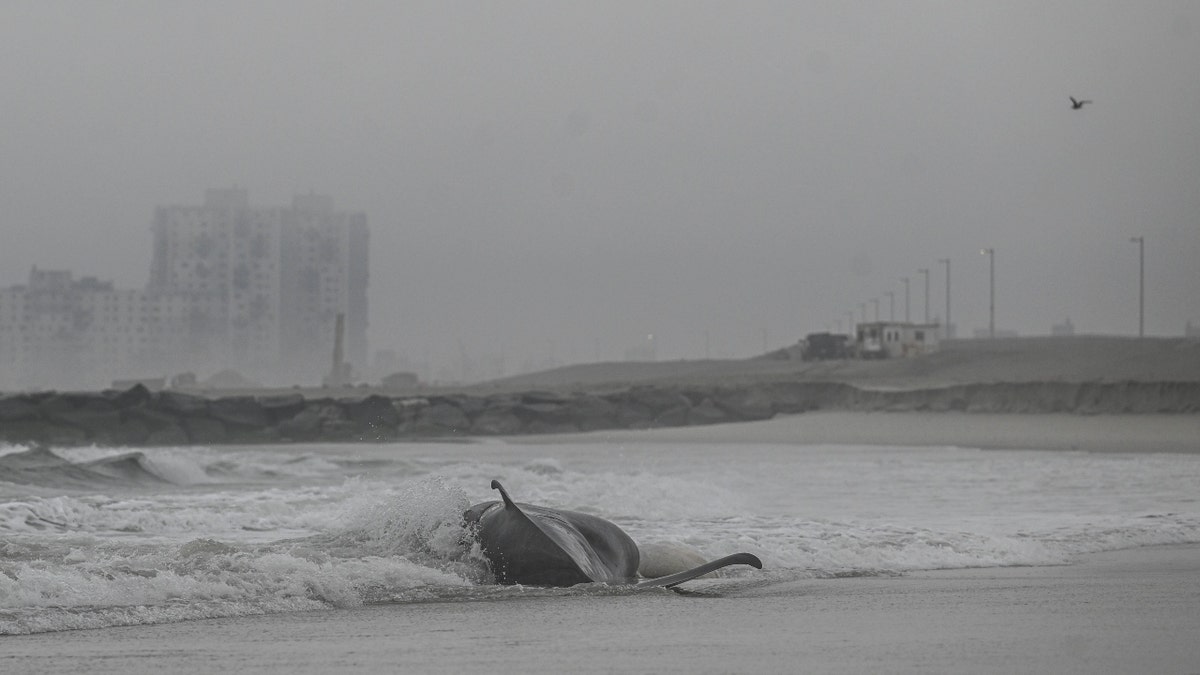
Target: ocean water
[[100, 537]]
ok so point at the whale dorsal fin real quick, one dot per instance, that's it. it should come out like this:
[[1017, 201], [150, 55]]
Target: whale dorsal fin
[[562, 533], [508, 502], [680, 577]]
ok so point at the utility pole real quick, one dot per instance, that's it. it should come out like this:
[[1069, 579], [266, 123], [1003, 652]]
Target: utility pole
[[925, 272], [947, 262], [991, 254], [1141, 242]]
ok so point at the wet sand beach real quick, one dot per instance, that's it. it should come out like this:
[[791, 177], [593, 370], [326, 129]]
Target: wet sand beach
[[1116, 612], [1090, 433]]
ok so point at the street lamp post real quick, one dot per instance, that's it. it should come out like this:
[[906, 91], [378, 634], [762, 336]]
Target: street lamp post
[[991, 254], [947, 262], [1141, 242], [906, 303], [926, 273]]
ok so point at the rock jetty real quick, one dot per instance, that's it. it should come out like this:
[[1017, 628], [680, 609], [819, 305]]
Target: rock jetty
[[139, 417]]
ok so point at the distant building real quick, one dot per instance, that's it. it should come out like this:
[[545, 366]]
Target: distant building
[[403, 381], [824, 346], [323, 273], [231, 286], [58, 331], [264, 286], [223, 260], [891, 339]]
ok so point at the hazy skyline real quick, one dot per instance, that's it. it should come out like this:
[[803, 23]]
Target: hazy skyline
[[556, 180]]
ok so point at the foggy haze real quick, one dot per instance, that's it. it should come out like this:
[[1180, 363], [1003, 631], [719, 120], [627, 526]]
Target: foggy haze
[[554, 182]]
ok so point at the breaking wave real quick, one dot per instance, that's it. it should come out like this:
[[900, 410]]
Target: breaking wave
[[94, 537]]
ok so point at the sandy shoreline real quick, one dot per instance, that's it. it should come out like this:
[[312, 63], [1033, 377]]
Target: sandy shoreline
[[1116, 612], [1091, 433]]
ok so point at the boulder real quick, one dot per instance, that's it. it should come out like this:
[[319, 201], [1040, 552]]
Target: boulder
[[592, 412], [281, 407], [168, 435], [374, 412], [256, 435], [127, 432], [153, 418], [499, 421], [204, 430], [440, 418], [51, 434], [536, 397], [748, 404], [181, 404], [239, 411], [550, 414], [657, 399], [633, 415], [674, 417], [707, 412], [100, 426], [14, 408], [313, 421], [136, 395], [469, 405], [56, 406], [27, 430]]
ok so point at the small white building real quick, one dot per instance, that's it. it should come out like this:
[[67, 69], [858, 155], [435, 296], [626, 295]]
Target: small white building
[[892, 339]]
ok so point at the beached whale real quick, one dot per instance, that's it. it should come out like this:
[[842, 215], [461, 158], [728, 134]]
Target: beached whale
[[538, 546]]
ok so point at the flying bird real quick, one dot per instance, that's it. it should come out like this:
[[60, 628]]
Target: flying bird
[[1076, 105]]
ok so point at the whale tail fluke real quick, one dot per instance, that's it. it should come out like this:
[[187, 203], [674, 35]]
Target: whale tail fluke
[[678, 578]]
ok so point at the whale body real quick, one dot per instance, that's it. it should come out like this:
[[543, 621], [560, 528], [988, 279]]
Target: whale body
[[539, 546]]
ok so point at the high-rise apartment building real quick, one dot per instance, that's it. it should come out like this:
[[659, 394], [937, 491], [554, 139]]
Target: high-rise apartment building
[[265, 285], [256, 290], [224, 259], [323, 274]]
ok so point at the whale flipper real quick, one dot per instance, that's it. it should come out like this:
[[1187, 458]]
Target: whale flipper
[[680, 577]]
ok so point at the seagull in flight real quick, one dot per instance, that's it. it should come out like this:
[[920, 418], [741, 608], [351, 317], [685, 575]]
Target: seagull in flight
[[1076, 105]]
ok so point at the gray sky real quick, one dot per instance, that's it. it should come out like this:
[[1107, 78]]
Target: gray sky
[[550, 179]]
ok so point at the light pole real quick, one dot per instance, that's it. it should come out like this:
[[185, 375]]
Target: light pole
[[991, 254], [926, 273], [891, 305], [1141, 242], [850, 323], [947, 261], [906, 303]]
